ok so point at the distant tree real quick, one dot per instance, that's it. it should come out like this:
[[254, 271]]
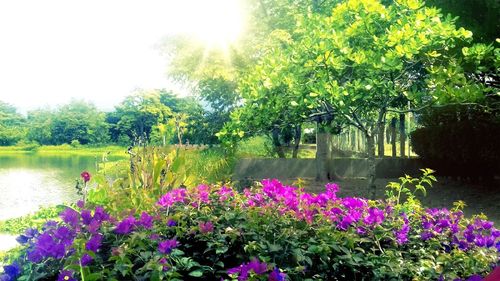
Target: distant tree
[[136, 116], [11, 122], [79, 121], [39, 123]]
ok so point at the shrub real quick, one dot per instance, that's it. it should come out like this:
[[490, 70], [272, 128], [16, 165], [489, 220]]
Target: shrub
[[75, 143], [267, 232], [459, 141]]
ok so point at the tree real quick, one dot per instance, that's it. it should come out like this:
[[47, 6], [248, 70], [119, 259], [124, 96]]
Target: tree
[[39, 123], [10, 125], [214, 74], [269, 105], [136, 116], [79, 121], [368, 58], [479, 16]]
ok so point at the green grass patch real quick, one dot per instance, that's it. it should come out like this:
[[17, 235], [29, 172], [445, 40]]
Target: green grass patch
[[36, 220], [66, 149]]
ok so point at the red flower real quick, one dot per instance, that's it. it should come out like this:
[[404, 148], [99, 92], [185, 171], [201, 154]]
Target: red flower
[[85, 176]]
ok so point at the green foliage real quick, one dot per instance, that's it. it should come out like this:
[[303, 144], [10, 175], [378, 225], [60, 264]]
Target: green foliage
[[35, 220], [479, 16], [255, 147], [78, 120], [136, 116], [11, 122], [211, 229], [151, 171], [396, 189]]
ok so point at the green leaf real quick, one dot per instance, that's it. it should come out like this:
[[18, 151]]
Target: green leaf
[[196, 273]]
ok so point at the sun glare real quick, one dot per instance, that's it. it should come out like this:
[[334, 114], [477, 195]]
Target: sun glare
[[217, 23]]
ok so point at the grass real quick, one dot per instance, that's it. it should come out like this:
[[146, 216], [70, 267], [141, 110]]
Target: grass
[[17, 226], [82, 150]]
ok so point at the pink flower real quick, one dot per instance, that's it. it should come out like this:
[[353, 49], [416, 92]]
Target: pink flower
[[85, 176], [206, 227]]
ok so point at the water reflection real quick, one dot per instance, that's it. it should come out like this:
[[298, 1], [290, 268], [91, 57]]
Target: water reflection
[[29, 181]]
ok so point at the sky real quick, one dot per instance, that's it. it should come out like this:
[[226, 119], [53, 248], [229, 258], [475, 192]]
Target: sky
[[52, 51]]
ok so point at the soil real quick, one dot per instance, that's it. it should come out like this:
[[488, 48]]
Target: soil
[[480, 198]]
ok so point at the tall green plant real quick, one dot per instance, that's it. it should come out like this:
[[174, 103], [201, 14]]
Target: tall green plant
[[152, 171]]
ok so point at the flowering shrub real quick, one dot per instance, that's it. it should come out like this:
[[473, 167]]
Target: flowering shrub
[[267, 232]]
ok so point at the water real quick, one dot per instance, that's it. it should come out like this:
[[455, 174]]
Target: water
[[30, 181]]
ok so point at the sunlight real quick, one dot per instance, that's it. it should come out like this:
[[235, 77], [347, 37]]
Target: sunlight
[[217, 23]]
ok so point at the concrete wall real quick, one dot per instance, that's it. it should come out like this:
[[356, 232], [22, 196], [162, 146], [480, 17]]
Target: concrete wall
[[306, 168]]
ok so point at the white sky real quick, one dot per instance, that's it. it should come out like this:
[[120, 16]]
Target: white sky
[[97, 50]]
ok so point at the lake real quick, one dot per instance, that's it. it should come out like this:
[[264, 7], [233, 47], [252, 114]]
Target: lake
[[29, 181]]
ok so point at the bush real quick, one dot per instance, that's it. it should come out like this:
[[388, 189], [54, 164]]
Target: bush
[[268, 232], [75, 143], [459, 141]]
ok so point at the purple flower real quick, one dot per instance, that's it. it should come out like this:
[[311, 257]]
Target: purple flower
[[206, 227], [463, 245], [375, 216], [469, 236], [172, 197], [346, 222], [171, 223], [86, 260], [94, 243], [443, 223], [167, 246], [426, 235], [487, 224], [50, 224], [22, 239], [35, 256], [126, 225], [100, 215], [276, 275], [86, 217], [66, 275], [224, 193], [31, 232], [401, 235], [46, 246], [65, 235], [257, 267], [475, 277], [80, 204], [12, 270], [480, 241], [70, 217], [93, 226], [146, 220], [244, 269]]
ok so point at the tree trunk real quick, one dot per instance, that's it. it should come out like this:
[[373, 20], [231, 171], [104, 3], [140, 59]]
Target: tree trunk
[[402, 135], [298, 133], [393, 136], [370, 147], [321, 154], [380, 137], [277, 144]]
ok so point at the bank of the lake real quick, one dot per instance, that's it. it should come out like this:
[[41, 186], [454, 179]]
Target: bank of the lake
[[66, 149]]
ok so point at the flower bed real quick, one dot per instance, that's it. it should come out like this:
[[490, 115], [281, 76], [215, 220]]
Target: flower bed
[[267, 232]]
